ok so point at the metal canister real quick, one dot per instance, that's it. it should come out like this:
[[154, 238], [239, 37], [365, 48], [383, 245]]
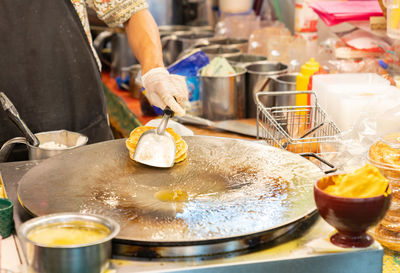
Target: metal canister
[[224, 97], [214, 51], [258, 79], [285, 82], [244, 59]]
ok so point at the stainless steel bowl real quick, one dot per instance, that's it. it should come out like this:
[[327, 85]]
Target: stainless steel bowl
[[70, 140], [88, 258]]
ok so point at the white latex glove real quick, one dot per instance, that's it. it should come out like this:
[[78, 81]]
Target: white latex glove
[[164, 89]]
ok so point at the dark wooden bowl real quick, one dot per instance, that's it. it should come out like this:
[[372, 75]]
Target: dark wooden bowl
[[350, 216]]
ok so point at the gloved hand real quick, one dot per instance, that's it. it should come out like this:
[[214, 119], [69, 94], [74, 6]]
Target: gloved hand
[[164, 89]]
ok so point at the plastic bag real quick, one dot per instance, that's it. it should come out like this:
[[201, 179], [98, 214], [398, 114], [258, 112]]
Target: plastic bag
[[350, 150]]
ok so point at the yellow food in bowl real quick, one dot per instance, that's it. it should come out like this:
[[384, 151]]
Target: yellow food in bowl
[[68, 233], [181, 146], [363, 183]]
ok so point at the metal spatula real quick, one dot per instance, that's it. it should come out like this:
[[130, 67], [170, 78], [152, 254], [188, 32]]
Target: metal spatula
[[157, 147]]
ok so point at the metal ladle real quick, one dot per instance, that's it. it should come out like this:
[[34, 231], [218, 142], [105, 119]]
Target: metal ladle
[[13, 114], [157, 147]]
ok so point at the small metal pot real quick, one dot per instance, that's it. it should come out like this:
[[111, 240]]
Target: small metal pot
[[224, 97], [285, 82], [88, 258], [62, 137], [258, 79]]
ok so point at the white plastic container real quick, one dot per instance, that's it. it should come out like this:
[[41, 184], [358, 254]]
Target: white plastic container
[[236, 6], [351, 106], [345, 96]]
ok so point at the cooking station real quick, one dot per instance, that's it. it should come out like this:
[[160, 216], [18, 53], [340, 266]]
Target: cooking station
[[285, 240]]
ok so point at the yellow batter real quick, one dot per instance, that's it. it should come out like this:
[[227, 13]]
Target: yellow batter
[[68, 233]]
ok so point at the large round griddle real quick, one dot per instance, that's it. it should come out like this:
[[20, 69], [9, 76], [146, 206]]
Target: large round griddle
[[237, 190]]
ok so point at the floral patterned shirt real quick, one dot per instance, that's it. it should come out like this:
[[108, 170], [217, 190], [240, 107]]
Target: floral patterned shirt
[[112, 12]]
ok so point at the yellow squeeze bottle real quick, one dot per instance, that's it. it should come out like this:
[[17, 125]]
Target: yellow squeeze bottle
[[302, 80]]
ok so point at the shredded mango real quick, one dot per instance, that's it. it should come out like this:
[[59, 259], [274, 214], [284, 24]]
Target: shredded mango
[[363, 183]]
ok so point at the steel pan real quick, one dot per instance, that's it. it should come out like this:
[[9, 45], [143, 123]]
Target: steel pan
[[241, 193]]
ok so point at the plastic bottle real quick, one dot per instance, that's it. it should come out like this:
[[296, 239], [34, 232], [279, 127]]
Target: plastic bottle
[[307, 70]]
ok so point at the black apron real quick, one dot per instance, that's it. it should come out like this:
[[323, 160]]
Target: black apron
[[48, 70]]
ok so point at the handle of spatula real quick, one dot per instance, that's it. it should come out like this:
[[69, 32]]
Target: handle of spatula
[[168, 113]]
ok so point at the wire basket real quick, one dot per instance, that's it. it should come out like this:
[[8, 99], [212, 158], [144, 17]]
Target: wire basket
[[306, 129]]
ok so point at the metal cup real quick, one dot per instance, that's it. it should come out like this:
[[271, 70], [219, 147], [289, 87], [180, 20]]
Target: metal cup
[[285, 82], [223, 97], [6, 218], [258, 79]]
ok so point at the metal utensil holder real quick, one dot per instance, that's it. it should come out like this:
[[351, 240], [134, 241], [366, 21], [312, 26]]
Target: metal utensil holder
[[283, 126]]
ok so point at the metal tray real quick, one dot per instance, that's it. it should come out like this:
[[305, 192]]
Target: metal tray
[[241, 194]]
